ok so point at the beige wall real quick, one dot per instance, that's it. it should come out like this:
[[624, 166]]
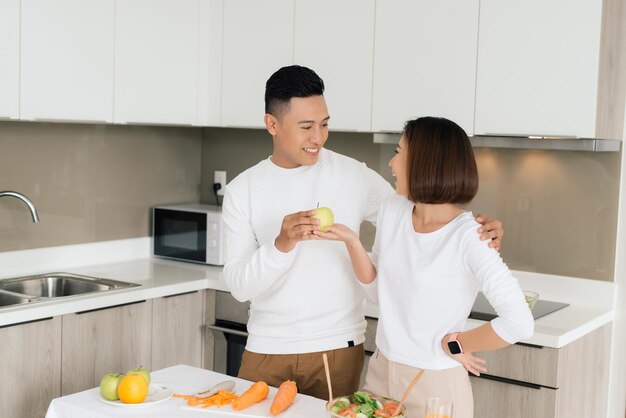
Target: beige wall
[[559, 208], [91, 182]]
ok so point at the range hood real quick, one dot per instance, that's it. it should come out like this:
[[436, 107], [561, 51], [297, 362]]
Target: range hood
[[560, 143]]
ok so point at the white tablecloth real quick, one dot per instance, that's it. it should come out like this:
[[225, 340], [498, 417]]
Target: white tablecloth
[[182, 379]]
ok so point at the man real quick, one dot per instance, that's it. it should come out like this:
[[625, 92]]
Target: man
[[304, 297]]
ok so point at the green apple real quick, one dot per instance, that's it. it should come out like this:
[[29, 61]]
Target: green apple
[[140, 370], [326, 217], [108, 386]]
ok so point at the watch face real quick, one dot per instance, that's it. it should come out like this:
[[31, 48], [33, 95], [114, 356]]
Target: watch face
[[454, 347]]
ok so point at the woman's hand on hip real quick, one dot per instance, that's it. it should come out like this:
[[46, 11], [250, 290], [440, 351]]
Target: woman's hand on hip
[[473, 364]]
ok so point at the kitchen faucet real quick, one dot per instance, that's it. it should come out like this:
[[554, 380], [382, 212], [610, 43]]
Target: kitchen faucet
[[33, 210]]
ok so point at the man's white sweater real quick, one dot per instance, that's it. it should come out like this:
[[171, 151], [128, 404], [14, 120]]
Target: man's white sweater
[[308, 299]]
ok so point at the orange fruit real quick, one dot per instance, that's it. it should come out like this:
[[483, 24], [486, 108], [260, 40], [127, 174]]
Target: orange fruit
[[133, 388]]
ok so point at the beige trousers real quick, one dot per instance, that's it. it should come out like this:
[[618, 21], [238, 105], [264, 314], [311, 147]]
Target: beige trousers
[[390, 379]]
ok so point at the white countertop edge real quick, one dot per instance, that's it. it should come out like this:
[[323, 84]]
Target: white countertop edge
[[66, 257], [592, 302], [42, 310], [559, 337]]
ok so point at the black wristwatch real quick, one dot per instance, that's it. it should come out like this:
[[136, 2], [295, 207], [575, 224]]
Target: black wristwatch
[[454, 345]]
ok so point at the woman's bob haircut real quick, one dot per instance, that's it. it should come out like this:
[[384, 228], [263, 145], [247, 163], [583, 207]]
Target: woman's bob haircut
[[440, 162]]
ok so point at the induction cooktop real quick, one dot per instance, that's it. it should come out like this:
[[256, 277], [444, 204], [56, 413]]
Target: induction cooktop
[[483, 311]]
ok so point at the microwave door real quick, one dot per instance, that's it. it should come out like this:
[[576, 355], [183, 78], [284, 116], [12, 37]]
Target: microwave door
[[180, 234]]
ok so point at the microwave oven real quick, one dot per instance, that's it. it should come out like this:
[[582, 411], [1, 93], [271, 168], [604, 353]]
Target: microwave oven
[[192, 232]]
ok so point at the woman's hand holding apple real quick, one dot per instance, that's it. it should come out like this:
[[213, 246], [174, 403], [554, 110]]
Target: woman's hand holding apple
[[339, 232]]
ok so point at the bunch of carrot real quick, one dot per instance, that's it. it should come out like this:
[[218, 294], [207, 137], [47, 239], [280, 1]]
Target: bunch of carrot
[[285, 396], [221, 398]]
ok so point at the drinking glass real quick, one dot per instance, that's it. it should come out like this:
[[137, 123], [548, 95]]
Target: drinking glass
[[438, 408]]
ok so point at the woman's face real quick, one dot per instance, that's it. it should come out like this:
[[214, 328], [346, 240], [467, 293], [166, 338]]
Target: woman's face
[[398, 167]]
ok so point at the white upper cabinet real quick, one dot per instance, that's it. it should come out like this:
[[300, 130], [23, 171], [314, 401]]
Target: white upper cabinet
[[156, 61], [67, 60], [258, 40], [424, 61], [538, 67], [210, 63], [336, 40], [9, 59]]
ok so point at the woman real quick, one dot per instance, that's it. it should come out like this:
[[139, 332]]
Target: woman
[[427, 267]]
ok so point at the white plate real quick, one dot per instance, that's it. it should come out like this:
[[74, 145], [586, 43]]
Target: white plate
[[157, 393]]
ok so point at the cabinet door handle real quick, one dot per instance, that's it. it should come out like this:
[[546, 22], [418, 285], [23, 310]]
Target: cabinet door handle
[[25, 322], [227, 330], [110, 307], [509, 381], [99, 121], [180, 294]]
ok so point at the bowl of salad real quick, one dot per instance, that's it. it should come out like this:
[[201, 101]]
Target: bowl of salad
[[363, 405], [531, 298]]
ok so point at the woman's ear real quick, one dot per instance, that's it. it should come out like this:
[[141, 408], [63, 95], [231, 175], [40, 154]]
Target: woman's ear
[[270, 124]]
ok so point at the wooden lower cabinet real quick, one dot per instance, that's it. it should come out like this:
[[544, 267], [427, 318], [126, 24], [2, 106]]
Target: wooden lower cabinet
[[529, 381], [177, 330], [30, 356], [208, 340], [502, 399], [109, 340]]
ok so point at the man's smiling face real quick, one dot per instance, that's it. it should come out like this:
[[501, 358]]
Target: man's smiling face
[[299, 131]]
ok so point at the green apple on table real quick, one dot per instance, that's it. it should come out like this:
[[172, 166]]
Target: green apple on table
[[108, 386], [140, 370], [325, 216]]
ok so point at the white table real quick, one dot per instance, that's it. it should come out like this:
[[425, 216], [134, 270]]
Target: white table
[[182, 379]]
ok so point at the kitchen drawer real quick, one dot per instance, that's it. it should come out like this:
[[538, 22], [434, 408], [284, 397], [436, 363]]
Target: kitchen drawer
[[370, 334], [497, 399], [525, 363]]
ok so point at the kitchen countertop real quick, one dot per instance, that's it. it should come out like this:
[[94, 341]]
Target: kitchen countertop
[[591, 302]]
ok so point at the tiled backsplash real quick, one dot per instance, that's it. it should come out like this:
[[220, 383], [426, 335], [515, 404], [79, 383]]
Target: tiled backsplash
[[98, 182], [91, 182]]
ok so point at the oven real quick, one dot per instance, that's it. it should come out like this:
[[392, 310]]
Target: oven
[[229, 333]]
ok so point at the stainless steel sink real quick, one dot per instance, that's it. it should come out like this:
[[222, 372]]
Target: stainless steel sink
[[8, 299], [54, 285]]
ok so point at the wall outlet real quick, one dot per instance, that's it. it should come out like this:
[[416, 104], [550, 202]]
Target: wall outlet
[[220, 177]]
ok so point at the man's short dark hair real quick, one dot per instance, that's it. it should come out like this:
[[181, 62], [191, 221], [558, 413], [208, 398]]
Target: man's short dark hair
[[288, 82], [440, 162]]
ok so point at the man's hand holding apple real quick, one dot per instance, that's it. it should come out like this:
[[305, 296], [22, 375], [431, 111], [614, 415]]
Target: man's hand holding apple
[[296, 227]]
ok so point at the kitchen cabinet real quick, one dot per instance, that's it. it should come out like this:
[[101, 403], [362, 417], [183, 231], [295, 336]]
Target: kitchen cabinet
[[258, 40], [109, 340], [210, 62], [9, 59], [67, 60], [208, 340], [342, 58], [531, 381], [424, 62], [538, 67], [156, 61], [31, 367], [177, 330]]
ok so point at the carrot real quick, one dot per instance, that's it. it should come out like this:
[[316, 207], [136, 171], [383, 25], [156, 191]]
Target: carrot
[[285, 396], [256, 393], [219, 399]]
